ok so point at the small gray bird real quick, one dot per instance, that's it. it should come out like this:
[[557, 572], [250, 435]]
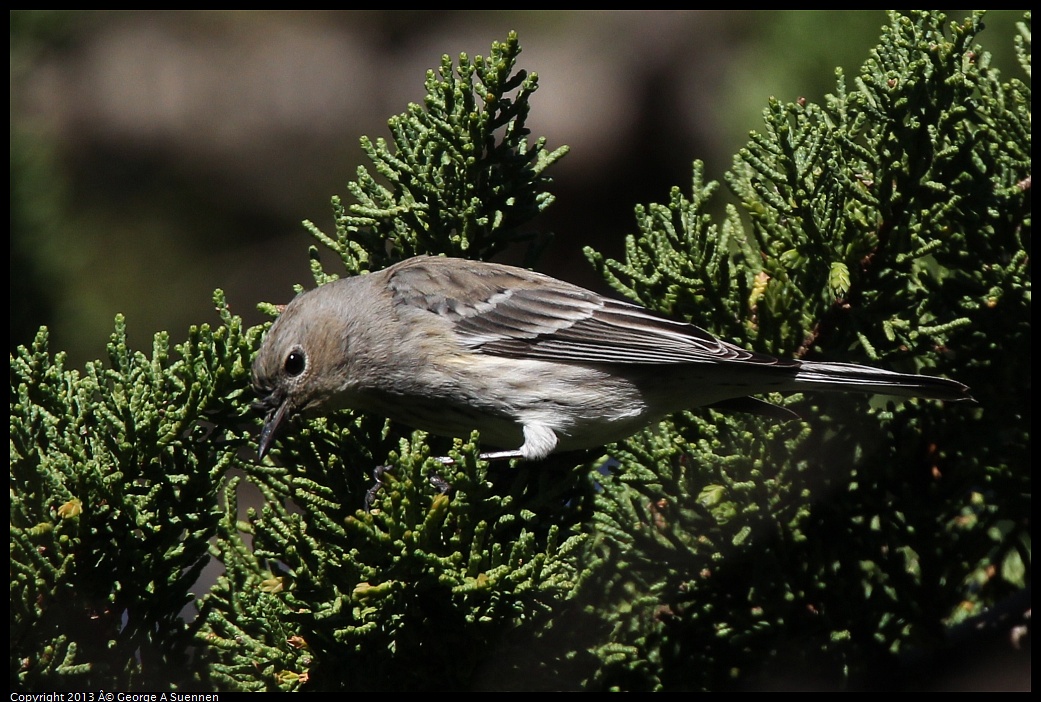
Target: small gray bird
[[449, 345]]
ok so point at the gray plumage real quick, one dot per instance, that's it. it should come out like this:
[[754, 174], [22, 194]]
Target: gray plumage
[[449, 345]]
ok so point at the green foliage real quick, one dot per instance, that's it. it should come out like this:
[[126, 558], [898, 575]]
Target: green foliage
[[113, 501], [411, 595], [890, 224]]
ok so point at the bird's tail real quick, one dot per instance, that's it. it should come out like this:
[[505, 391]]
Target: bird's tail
[[849, 377]]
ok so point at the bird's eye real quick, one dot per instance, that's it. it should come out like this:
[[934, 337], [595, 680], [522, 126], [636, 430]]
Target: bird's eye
[[295, 363]]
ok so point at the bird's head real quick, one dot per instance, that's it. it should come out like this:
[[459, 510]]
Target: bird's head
[[302, 365]]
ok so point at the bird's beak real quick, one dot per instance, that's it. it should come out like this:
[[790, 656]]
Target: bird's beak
[[272, 423]]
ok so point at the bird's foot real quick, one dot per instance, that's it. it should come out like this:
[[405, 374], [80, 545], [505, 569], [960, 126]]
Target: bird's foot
[[442, 485]]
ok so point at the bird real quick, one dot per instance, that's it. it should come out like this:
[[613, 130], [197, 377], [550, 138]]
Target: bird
[[535, 364]]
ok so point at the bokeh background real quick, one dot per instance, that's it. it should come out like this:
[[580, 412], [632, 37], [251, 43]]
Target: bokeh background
[[158, 155]]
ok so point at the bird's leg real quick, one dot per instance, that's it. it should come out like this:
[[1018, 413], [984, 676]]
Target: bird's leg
[[501, 455], [436, 480], [488, 456], [444, 486]]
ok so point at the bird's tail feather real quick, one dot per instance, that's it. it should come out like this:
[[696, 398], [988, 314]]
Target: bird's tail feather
[[847, 377]]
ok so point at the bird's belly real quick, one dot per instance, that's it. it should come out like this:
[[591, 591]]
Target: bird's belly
[[582, 405]]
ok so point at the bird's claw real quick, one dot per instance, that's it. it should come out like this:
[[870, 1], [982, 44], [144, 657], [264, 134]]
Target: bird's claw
[[442, 485]]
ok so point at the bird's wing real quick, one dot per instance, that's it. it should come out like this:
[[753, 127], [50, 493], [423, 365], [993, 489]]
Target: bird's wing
[[508, 311]]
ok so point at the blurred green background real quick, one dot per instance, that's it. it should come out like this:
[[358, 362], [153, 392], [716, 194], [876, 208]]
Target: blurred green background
[[157, 155]]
